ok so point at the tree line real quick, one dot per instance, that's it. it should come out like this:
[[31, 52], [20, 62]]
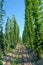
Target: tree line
[[10, 37], [33, 33]]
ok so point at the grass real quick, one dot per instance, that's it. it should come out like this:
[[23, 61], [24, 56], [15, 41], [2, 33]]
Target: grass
[[10, 50], [1, 63]]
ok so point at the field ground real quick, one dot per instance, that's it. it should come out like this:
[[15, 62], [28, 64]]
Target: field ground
[[21, 56]]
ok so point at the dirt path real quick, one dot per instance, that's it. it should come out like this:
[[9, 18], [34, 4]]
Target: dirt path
[[20, 55]]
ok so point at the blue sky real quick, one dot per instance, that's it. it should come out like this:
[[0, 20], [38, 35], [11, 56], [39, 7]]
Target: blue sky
[[15, 7]]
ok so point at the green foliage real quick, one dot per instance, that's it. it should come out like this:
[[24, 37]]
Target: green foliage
[[28, 33], [13, 62], [33, 33], [41, 19], [1, 63], [11, 33], [2, 12], [37, 24]]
